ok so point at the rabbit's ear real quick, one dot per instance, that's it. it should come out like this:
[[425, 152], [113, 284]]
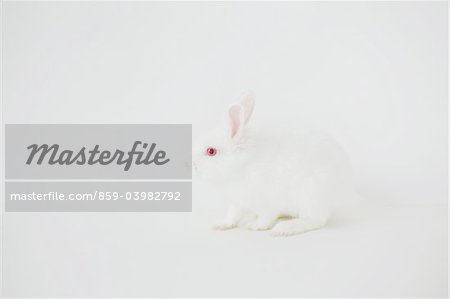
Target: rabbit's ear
[[236, 113], [247, 100]]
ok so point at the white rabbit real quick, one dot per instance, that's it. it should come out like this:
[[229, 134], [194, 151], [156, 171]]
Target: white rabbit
[[280, 180]]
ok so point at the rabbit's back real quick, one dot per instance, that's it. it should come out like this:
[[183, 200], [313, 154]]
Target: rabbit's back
[[292, 170]]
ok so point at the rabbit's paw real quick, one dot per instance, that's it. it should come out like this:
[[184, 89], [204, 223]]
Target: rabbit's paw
[[231, 220], [262, 223], [224, 225], [295, 226], [284, 229]]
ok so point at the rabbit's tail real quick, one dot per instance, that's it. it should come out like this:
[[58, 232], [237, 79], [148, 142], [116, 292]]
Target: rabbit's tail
[[296, 226]]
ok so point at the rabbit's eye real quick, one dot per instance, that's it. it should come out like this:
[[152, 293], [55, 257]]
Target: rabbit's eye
[[210, 151]]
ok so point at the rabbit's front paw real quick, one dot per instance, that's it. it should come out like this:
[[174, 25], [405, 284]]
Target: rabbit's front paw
[[231, 219], [224, 225]]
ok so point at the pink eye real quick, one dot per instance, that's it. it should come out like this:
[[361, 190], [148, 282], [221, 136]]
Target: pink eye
[[210, 151]]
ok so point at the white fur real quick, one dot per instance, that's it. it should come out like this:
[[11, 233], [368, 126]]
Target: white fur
[[273, 173]]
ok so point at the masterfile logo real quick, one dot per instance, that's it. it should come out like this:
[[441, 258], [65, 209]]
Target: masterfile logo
[[54, 156]]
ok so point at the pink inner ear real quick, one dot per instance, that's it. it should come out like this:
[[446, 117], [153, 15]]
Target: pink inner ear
[[235, 120]]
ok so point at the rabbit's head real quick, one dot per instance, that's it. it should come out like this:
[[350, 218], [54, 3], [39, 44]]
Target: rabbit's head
[[223, 153]]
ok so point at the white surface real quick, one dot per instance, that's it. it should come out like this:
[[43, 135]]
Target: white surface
[[381, 251], [373, 74]]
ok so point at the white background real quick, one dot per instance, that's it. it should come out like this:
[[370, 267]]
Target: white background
[[374, 75]]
